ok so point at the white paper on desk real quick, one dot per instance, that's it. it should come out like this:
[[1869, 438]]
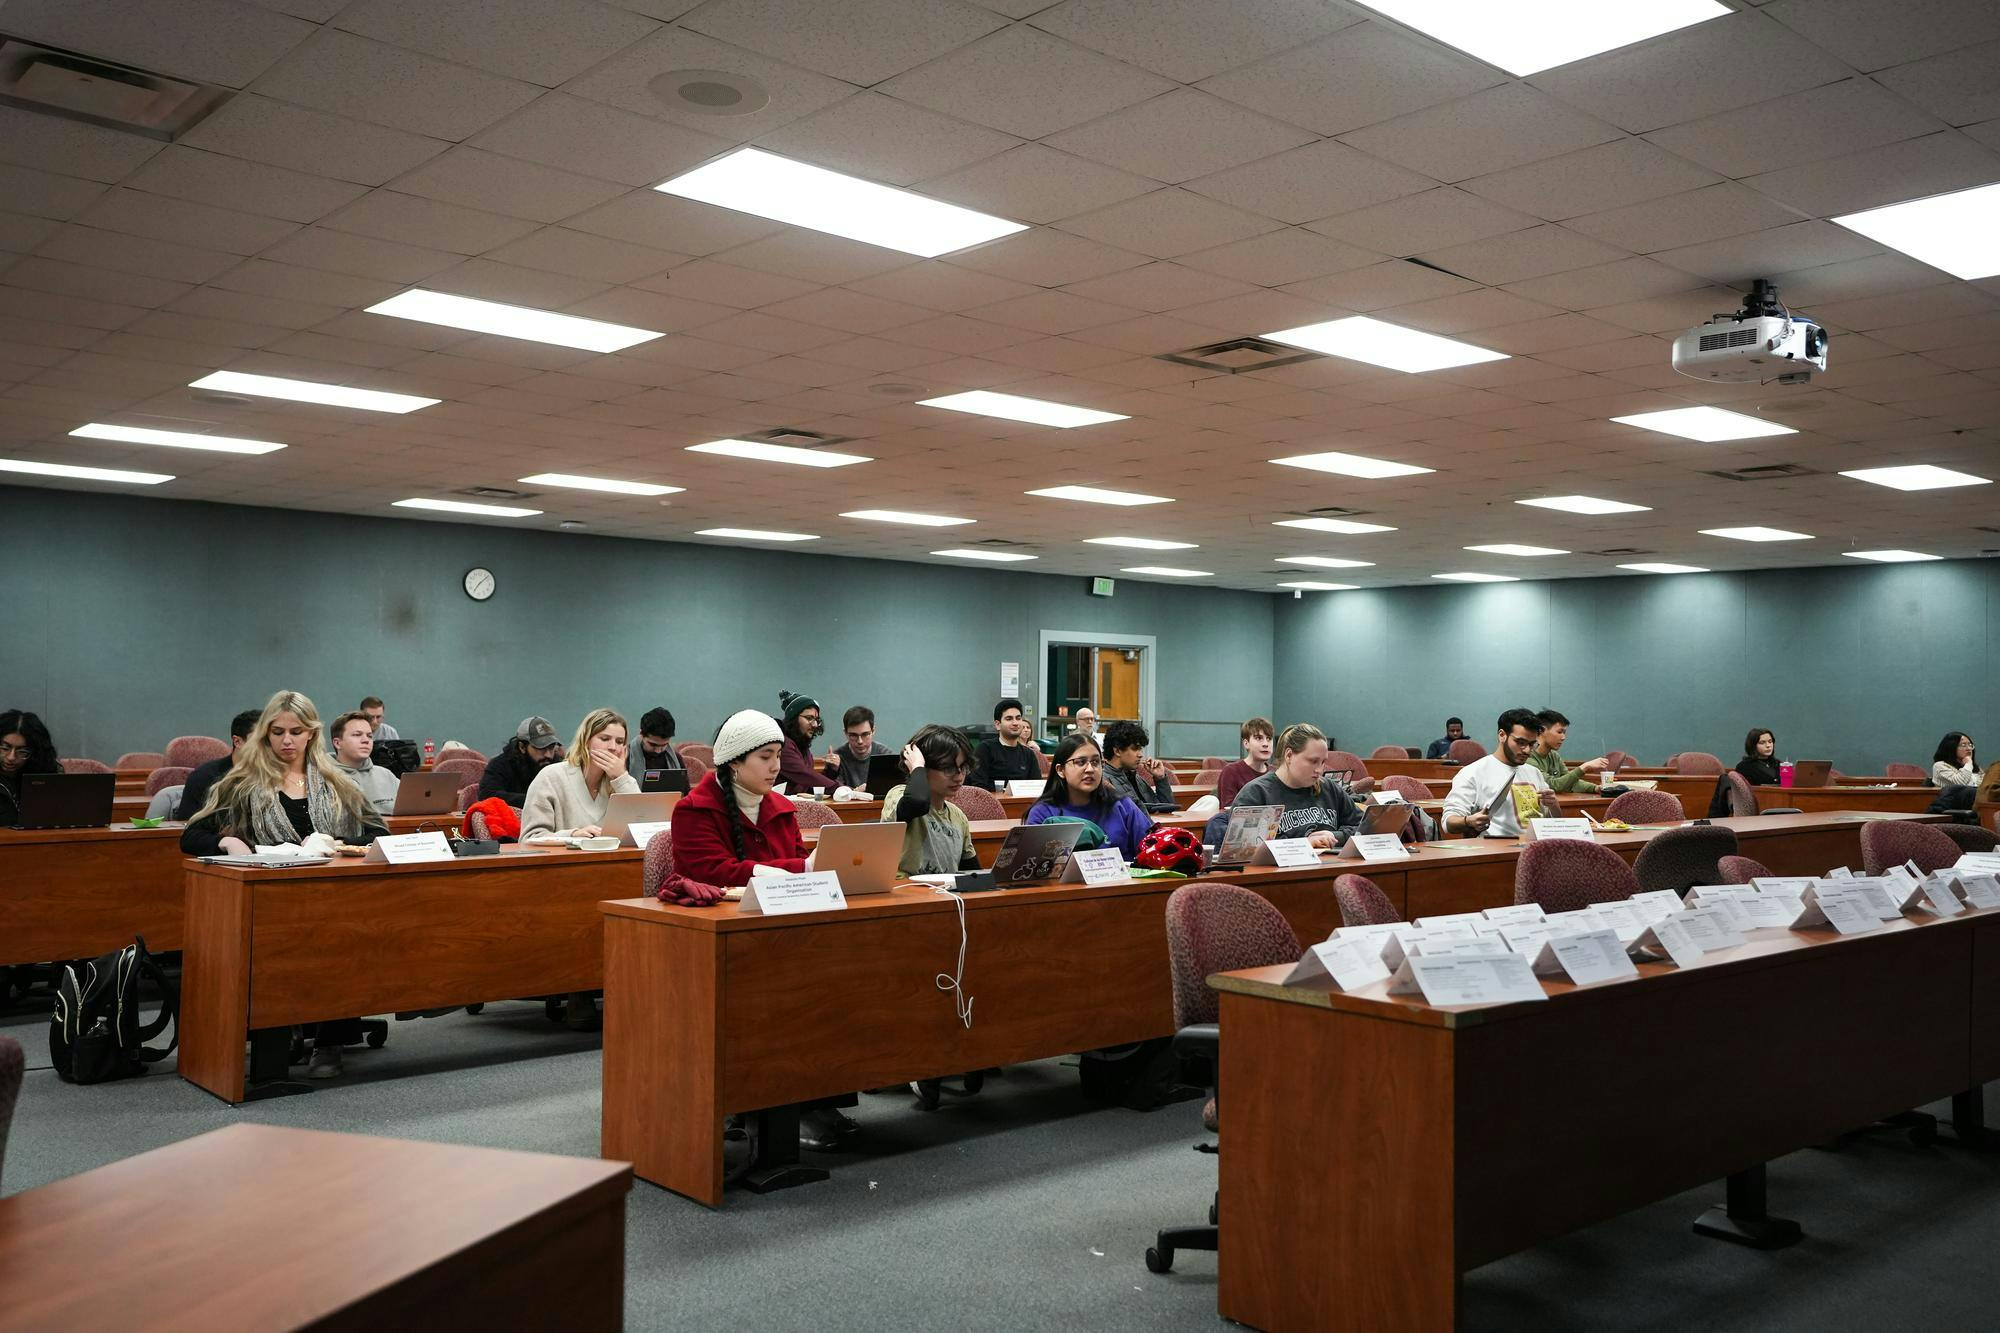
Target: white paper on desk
[[1025, 786], [265, 861], [1675, 936], [1349, 963], [1762, 911], [1726, 934], [1980, 890], [1621, 916], [1098, 865], [1978, 863], [1594, 956], [1486, 946], [1839, 872], [1794, 885], [398, 849], [1387, 796], [1903, 883], [1378, 847], [1708, 893], [1467, 919], [1402, 939], [1939, 899], [1847, 911], [1557, 830], [1515, 912], [783, 895], [1527, 937], [1498, 979], [1372, 936], [644, 831], [1290, 853], [1875, 892], [1656, 903]]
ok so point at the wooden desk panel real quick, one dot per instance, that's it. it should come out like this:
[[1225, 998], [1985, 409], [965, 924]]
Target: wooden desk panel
[[988, 834], [77, 893], [1910, 800]]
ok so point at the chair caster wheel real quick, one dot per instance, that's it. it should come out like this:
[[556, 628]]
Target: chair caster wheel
[[975, 1081], [1213, 1220], [1159, 1260], [553, 1009], [377, 1040], [474, 1008], [929, 1092]]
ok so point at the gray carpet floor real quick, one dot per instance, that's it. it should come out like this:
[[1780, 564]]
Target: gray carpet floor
[[1026, 1207]]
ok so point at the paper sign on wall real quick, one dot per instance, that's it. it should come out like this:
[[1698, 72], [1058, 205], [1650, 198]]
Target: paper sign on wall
[[783, 895], [401, 849], [1010, 680]]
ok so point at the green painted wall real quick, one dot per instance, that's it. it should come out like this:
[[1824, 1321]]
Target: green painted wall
[[129, 621]]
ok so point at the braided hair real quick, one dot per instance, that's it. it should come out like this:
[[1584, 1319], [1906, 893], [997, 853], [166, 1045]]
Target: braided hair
[[730, 811]]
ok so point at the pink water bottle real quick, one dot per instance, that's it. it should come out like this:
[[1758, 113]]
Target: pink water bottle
[[430, 748], [1785, 774]]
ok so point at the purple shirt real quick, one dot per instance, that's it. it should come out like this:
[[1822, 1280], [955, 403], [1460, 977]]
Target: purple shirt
[[1124, 826]]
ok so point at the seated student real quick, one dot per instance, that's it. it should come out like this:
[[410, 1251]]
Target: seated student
[[532, 748], [1129, 772], [801, 725], [1086, 724], [372, 708], [205, 775], [1548, 761], [283, 788], [353, 743], [1759, 764], [1257, 736], [1454, 730], [1315, 803], [656, 743], [1076, 789], [1011, 757], [847, 766], [937, 837], [570, 798], [1481, 799], [25, 748], [1953, 765]]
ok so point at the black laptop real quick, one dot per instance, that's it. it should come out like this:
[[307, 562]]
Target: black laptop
[[664, 779], [885, 774], [66, 800]]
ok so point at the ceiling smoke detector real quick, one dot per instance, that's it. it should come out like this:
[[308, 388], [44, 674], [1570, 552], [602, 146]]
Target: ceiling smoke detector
[[709, 92]]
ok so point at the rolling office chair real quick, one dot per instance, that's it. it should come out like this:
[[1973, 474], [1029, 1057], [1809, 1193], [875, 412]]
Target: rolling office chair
[[1362, 902], [1741, 870], [1969, 837], [1681, 858], [1563, 876], [1641, 806], [1890, 842]]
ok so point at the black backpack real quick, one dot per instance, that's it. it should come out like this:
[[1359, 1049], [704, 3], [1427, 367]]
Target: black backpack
[[95, 1034]]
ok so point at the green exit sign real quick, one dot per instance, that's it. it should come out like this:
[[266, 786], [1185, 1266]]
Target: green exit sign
[[1101, 587]]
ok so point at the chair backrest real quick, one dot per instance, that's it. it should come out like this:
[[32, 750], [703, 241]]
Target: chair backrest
[[1213, 763], [1346, 761], [694, 750], [1668, 762], [133, 760], [475, 824], [1210, 778], [1566, 874], [70, 765], [1646, 807], [1409, 788], [1890, 842], [1465, 750], [1218, 928], [1386, 752], [1742, 796], [659, 862], [1681, 858], [1697, 761], [462, 752], [1362, 902], [1740, 870], [1412, 752], [814, 814], [1042, 761], [461, 771], [978, 803], [13, 1064], [697, 768], [1619, 759], [1970, 837], [165, 777], [193, 751], [1904, 771], [468, 796]]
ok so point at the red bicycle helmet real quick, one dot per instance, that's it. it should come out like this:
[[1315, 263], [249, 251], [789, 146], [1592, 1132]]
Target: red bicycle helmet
[[1170, 847]]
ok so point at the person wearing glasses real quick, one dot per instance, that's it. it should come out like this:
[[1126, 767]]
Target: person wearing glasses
[[937, 837], [25, 748], [848, 764], [1316, 806], [1076, 789], [1485, 796]]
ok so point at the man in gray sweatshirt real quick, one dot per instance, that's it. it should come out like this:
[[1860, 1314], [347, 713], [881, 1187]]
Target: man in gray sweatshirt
[[353, 738]]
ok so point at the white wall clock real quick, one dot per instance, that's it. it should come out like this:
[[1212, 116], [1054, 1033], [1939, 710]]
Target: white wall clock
[[478, 583]]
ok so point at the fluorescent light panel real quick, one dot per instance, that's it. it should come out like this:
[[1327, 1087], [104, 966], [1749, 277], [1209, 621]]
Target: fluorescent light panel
[[605, 484], [511, 321], [1664, 567], [1916, 477], [900, 516], [998, 557], [1012, 407], [1515, 548], [1325, 562], [174, 439], [1531, 35], [311, 391], [1352, 465], [25, 467], [1346, 526], [751, 180], [1469, 576], [1958, 232], [1142, 543], [1890, 557], [1757, 534], [759, 451], [1584, 504], [464, 507], [758, 535], [1710, 425], [1359, 338], [1097, 495], [1168, 572], [1307, 585]]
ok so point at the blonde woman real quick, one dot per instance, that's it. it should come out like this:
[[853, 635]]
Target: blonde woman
[[570, 798]]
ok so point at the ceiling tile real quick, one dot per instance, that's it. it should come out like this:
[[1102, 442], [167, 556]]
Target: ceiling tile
[[244, 308], [387, 85], [622, 82], [1873, 36], [1821, 122], [1852, 279], [1706, 214], [540, 41], [684, 226], [505, 185], [1187, 40], [1958, 87], [139, 214], [1168, 223], [1523, 254], [937, 285], [485, 280], [1311, 182], [1737, 259], [134, 254], [69, 147], [1179, 136], [849, 311], [306, 141], [1379, 286], [208, 41], [725, 284], [1044, 257], [1890, 174], [861, 41], [1280, 257], [1159, 286], [1418, 222], [882, 139], [250, 187], [1556, 188], [1605, 284], [310, 284], [404, 218], [96, 284], [598, 140], [1034, 183], [812, 256], [1357, 76], [1025, 83], [580, 254], [1501, 127], [44, 195], [360, 256], [1468, 311], [1051, 312]]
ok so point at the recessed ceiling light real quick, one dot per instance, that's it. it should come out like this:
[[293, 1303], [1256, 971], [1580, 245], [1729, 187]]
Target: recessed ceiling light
[[1467, 576], [899, 516], [1890, 557], [1710, 425], [1664, 567], [1359, 338], [762, 452], [1352, 465], [1012, 407], [175, 439], [1325, 562], [1142, 543], [311, 391], [998, 557], [607, 484], [1584, 504], [1532, 35], [512, 321], [758, 535], [83, 473], [464, 507], [1097, 495], [1341, 525], [751, 180], [1168, 572], [1757, 534], [1309, 586], [1515, 548], [1916, 477], [1958, 232]]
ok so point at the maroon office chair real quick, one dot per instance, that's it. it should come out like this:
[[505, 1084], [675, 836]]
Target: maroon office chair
[[1905, 771], [460, 771], [1465, 750], [692, 750], [1409, 788], [1890, 842], [978, 803], [138, 759], [194, 751], [1212, 928], [1697, 761], [658, 863], [814, 814], [1742, 796], [1212, 763], [1564, 875], [70, 765], [1646, 807], [161, 778], [1362, 902], [1969, 837], [468, 796], [1670, 760], [1043, 762], [1740, 870], [457, 752], [1387, 752], [13, 1064], [1359, 780], [1619, 759], [697, 768], [1680, 858]]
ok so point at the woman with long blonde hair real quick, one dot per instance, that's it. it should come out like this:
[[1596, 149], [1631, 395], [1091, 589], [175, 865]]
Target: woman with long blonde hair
[[570, 798]]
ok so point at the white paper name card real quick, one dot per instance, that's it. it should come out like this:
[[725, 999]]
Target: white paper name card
[[1938, 897], [1099, 865], [1556, 830], [1517, 912], [1762, 911], [1794, 885], [1979, 863], [1708, 893], [1876, 893], [1025, 786], [1450, 919], [1980, 890], [1847, 910], [1290, 853], [1409, 938], [1527, 937], [1350, 963], [1500, 979], [1586, 959], [643, 832], [1378, 847], [401, 849], [1387, 797], [782, 895], [1372, 936], [1840, 872], [1656, 903], [1686, 936], [1620, 916]]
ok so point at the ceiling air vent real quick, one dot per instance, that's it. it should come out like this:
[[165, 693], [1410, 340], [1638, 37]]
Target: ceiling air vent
[[1240, 354], [495, 493], [1767, 472], [797, 439], [73, 86], [1333, 511], [1001, 543], [1622, 552]]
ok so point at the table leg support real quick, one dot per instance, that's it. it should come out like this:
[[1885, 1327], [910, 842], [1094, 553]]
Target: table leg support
[[271, 1065], [774, 1160], [1742, 1219], [1968, 1121]]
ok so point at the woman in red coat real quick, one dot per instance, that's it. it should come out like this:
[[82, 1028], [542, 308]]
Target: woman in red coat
[[732, 822]]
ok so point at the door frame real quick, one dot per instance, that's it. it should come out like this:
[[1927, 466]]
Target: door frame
[[1078, 638]]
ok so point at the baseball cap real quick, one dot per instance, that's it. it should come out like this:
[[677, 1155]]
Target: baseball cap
[[536, 733]]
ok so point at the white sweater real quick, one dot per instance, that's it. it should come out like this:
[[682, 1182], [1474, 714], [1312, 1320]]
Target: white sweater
[[560, 802], [1483, 785], [1944, 775]]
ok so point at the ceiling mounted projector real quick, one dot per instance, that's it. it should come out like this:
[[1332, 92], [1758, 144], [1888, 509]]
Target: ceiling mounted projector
[[1760, 344]]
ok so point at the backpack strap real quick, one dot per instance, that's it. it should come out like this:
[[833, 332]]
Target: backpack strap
[[170, 1005]]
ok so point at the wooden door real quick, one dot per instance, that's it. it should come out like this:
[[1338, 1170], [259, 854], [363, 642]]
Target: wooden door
[[1117, 683]]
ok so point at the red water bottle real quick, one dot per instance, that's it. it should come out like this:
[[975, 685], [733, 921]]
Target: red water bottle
[[1785, 774], [430, 748]]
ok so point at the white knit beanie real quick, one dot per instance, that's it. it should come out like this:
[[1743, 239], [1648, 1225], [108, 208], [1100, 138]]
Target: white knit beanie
[[743, 732]]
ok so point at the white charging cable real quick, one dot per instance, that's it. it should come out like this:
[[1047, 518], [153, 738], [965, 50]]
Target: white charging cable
[[952, 982]]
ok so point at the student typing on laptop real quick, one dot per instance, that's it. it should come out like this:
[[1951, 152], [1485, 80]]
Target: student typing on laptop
[[1481, 800], [569, 798], [25, 748], [937, 838]]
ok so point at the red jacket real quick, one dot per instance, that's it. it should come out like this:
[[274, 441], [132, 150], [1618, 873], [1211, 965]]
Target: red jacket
[[705, 852]]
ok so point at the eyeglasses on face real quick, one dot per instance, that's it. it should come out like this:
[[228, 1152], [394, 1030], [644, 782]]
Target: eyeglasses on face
[[1094, 762]]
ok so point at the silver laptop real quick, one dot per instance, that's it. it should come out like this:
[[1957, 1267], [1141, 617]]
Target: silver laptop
[[426, 794], [1035, 853], [865, 856], [643, 807], [1812, 772]]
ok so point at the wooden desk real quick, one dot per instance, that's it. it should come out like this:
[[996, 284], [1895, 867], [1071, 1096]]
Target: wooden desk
[[258, 1229], [268, 948], [1912, 800], [988, 834], [1377, 1148]]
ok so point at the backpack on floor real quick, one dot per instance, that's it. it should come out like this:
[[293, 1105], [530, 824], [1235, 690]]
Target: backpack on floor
[[95, 1034]]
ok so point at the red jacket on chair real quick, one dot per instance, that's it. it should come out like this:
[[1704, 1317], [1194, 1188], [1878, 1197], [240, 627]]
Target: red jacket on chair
[[705, 851]]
